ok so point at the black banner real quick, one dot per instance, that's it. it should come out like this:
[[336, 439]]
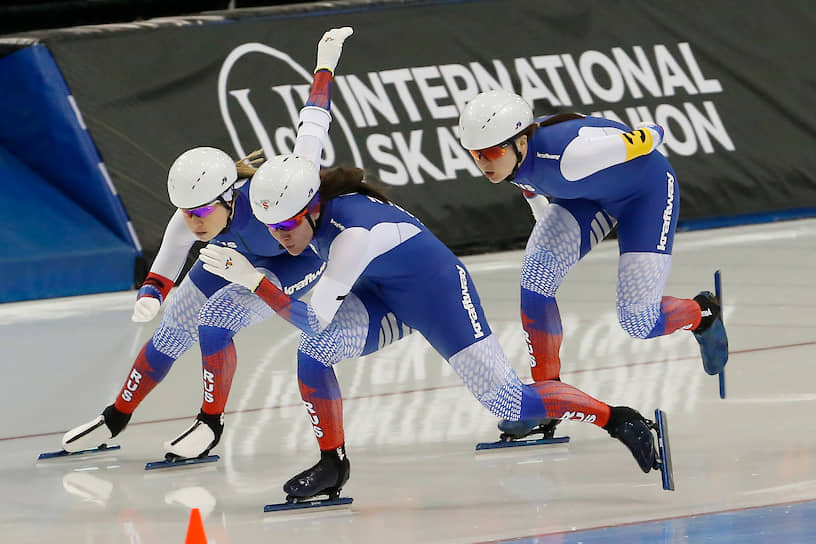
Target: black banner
[[728, 83]]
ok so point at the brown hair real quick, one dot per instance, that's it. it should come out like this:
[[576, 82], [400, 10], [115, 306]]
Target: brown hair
[[249, 165], [552, 120], [560, 118], [343, 180]]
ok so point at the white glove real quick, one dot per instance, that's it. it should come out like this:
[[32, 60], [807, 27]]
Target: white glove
[[230, 265], [329, 48], [655, 129], [145, 309]]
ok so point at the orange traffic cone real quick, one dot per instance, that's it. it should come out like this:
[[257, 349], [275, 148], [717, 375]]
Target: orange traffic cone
[[195, 531]]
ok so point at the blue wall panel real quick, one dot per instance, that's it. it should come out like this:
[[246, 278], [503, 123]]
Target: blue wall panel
[[49, 246], [40, 125]]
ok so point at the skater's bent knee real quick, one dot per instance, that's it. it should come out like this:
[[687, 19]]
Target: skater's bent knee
[[638, 324]]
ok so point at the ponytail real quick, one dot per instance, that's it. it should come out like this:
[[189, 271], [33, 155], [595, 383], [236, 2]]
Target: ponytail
[[249, 165], [344, 180], [559, 118]]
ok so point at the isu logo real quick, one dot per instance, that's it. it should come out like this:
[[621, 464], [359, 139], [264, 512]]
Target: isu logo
[[400, 119], [258, 103]]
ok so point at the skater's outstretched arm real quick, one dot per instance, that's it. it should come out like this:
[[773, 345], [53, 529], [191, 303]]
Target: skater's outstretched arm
[[313, 125], [164, 272], [351, 252]]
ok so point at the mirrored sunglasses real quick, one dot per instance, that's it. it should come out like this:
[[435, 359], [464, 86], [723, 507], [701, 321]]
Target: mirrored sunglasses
[[490, 153], [289, 224], [201, 211], [294, 222]]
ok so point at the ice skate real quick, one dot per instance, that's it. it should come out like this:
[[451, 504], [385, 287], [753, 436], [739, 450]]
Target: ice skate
[[635, 431], [193, 445], [93, 436], [710, 334], [514, 432], [327, 477]]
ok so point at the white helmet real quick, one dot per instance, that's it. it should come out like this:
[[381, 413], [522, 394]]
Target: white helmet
[[493, 117], [199, 176], [282, 187]]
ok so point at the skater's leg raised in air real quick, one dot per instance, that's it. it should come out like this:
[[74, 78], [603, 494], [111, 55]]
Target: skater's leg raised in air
[[710, 333], [643, 310]]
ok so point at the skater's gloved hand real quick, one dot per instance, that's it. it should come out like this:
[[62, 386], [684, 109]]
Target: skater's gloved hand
[[230, 265], [655, 129], [150, 297], [145, 309], [329, 48]]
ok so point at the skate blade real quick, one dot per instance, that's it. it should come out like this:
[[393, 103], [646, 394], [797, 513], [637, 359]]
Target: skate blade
[[666, 471], [171, 462], [63, 453], [521, 443], [308, 504], [718, 294]]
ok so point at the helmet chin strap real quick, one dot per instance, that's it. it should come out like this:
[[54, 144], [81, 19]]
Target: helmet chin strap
[[312, 224], [315, 224], [519, 158], [316, 201], [230, 205]]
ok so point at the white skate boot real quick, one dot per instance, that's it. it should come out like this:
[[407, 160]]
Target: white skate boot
[[198, 440], [97, 433]]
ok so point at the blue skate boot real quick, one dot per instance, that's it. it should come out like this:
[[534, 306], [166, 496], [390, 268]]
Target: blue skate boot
[[513, 434], [516, 430], [710, 333]]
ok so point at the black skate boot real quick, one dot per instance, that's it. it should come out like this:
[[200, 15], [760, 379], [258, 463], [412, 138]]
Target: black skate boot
[[710, 333], [327, 477], [96, 433], [635, 431]]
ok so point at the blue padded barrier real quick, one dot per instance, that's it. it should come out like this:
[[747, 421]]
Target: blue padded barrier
[[49, 246], [41, 126]]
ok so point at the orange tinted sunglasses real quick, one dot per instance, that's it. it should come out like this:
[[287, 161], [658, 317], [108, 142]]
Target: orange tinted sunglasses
[[490, 153]]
